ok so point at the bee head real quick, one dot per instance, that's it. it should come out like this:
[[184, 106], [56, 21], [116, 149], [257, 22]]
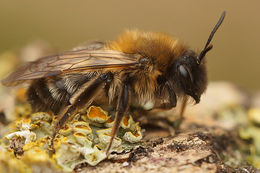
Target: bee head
[[191, 75], [191, 70]]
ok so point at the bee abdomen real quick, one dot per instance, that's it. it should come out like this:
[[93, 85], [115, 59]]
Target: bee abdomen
[[42, 98], [53, 94]]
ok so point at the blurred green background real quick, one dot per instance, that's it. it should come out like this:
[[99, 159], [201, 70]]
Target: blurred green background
[[65, 24]]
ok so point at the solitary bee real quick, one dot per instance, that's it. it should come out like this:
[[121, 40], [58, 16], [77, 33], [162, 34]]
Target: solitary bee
[[144, 70]]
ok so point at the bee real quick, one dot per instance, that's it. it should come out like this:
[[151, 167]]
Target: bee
[[144, 70]]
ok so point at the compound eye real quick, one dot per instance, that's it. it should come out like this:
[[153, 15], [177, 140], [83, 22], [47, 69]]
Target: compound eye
[[185, 72]]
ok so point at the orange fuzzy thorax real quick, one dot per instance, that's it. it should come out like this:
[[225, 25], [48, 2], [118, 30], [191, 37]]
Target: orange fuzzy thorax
[[161, 47]]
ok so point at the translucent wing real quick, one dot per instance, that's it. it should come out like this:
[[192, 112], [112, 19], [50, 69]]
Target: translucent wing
[[76, 60]]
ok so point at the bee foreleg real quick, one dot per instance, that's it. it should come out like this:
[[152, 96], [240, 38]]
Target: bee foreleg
[[82, 99], [183, 106], [121, 109], [178, 122], [172, 96]]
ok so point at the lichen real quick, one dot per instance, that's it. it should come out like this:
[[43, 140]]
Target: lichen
[[84, 139], [250, 132]]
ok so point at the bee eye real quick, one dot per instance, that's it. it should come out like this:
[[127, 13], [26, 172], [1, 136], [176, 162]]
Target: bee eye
[[185, 72]]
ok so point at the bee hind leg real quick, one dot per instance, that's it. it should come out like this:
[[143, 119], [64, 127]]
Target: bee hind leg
[[121, 109], [81, 99], [69, 111]]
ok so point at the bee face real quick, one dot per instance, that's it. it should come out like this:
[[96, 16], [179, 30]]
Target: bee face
[[190, 75]]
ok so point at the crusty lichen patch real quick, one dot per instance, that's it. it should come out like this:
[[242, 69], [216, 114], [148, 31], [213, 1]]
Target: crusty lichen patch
[[84, 139], [250, 132]]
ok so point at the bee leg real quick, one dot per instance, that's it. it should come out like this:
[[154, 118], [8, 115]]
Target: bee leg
[[178, 122], [183, 106], [69, 111], [82, 98], [122, 107]]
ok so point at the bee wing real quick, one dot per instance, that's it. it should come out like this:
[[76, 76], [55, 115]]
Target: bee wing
[[77, 60], [94, 45]]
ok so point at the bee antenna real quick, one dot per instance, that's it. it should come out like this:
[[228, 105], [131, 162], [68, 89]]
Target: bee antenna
[[207, 46]]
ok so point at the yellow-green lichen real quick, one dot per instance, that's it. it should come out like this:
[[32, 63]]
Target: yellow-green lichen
[[250, 132], [84, 139]]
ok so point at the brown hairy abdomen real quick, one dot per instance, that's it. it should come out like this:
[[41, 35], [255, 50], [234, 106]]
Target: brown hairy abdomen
[[41, 98], [53, 94]]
